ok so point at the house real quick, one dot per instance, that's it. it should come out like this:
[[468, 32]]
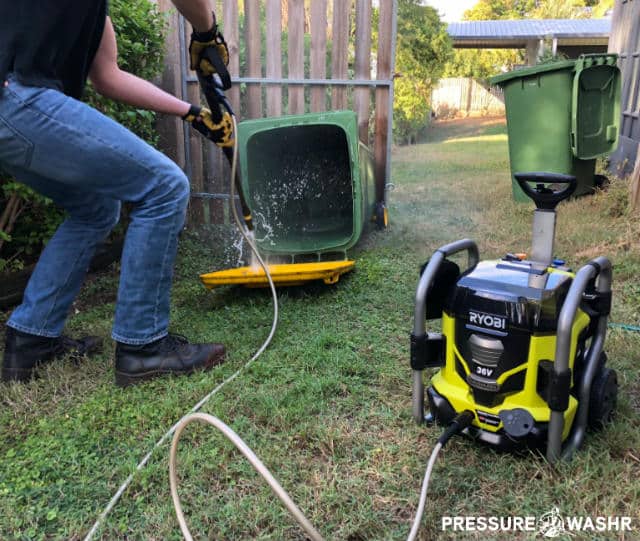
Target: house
[[570, 37]]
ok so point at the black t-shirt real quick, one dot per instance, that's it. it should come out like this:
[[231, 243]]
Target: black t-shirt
[[50, 43]]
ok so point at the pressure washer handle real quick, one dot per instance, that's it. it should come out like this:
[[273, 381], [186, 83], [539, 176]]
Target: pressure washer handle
[[545, 197]]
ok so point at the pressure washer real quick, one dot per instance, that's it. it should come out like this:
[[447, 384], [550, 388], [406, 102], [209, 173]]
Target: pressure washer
[[521, 345]]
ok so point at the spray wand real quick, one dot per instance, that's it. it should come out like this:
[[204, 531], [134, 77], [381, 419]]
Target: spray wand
[[213, 87]]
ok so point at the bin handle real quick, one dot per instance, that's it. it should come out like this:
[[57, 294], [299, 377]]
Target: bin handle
[[545, 197]]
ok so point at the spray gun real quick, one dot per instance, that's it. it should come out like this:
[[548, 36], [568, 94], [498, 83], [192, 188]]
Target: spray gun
[[213, 87]]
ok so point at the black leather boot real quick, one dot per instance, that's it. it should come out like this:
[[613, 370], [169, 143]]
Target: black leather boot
[[23, 352], [172, 354]]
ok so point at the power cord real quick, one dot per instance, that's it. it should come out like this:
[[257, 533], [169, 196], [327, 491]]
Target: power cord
[[459, 423]]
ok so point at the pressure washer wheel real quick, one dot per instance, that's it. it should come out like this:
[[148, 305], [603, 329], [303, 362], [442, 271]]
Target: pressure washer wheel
[[381, 216], [603, 397]]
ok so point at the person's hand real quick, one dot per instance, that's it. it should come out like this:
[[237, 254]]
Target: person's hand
[[213, 39], [220, 133]]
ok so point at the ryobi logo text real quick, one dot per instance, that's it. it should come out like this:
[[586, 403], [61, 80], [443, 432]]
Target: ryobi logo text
[[487, 320]]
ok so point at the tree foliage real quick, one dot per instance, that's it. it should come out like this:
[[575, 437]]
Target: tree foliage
[[423, 48], [482, 63]]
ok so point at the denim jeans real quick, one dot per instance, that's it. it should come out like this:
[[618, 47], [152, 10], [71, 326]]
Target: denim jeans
[[88, 164]]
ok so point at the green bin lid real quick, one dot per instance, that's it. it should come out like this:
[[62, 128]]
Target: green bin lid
[[595, 115], [534, 70]]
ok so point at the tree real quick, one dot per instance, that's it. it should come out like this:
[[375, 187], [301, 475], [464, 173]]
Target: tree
[[560, 9], [423, 49], [483, 63], [486, 10]]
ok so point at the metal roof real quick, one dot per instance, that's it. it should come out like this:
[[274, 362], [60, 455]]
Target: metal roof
[[516, 33]]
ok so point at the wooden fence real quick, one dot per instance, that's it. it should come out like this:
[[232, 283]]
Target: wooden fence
[[286, 57], [464, 96], [625, 40]]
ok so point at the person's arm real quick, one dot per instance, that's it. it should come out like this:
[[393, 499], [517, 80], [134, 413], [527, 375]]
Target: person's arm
[[112, 82], [197, 12]]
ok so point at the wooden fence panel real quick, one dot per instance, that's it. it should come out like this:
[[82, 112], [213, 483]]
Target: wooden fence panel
[[464, 96], [385, 59], [625, 40], [254, 64], [362, 95], [318, 58], [232, 36], [296, 55], [171, 128], [327, 25], [196, 210], [274, 56], [340, 51]]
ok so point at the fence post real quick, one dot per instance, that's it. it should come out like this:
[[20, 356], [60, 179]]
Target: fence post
[[296, 55], [340, 50], [362, 96], [253, 45], [232, 37], [383, 94], [171, 128], [274, 56], [318, 54]]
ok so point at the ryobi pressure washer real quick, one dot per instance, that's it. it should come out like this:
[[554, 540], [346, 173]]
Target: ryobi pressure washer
[[522, 340]]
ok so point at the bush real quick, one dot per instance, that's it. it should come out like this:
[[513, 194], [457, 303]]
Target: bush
[[423, 49], [28, 220]]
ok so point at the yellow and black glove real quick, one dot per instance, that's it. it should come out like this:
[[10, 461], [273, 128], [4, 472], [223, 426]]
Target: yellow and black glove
[[220, 133], [209, 54]]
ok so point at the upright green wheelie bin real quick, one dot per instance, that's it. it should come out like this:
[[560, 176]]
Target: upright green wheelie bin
[[562, 116], [308, 182]]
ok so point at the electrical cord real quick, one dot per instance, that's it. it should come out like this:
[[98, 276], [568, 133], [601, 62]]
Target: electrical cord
[[123, 487], [459, 423]]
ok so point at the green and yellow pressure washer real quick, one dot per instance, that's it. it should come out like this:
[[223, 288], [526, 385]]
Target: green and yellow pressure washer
[[521, 346]]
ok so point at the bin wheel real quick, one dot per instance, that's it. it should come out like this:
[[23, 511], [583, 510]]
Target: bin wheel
[[603, 397], [601, 181], [381, 216]]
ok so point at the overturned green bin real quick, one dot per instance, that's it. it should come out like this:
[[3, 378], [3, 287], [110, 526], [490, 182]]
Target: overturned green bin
[[561, 116], [308, 182]]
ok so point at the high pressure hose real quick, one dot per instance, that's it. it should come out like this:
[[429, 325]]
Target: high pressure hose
[[123, 487], [461, 421]]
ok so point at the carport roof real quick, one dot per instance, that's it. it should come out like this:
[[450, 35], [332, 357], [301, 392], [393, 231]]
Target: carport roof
[[516, 34]]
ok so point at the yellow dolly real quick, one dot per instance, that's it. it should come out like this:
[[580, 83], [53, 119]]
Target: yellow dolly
[[292, 274]]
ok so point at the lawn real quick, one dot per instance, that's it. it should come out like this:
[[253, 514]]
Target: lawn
[[328, 405]]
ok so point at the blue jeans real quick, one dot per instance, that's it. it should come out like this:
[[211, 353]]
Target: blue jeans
[[88, 164]]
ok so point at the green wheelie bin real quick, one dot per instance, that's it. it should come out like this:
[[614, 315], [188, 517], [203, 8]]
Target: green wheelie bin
[[561, 116], [308, 181]]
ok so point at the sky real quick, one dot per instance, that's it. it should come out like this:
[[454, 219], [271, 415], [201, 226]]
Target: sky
[[451, 10]]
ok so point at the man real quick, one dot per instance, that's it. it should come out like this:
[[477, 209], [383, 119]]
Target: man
[[89, 164]]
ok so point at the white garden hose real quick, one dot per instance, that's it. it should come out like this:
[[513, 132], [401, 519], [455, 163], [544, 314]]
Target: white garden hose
[[458, 424], [123, 487]]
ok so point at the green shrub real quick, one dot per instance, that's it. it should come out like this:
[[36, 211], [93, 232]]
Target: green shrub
[[27, 220], [423, 49]]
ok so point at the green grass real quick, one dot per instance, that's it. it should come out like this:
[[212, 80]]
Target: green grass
[[328, 405]]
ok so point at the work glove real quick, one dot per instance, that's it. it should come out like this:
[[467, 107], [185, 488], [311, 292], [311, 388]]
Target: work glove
[[209, 54], [220, 133]]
